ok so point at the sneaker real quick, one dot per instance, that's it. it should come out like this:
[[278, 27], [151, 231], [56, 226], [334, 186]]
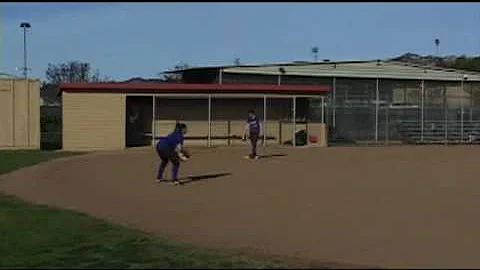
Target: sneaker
[[176, 183], [256, 157], [160, 180]]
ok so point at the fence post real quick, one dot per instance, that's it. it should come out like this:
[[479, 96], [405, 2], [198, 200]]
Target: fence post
[[323, 110], [153, 119], [445, 114], [377, 104], [422, 112], [209, 138], [461, 110], [471, 105], [387, 124], [294, 118], [264, 120], [334, 95]]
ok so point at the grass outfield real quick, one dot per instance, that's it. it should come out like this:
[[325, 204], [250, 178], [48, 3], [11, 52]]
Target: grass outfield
[[13, 160], [37, 236]]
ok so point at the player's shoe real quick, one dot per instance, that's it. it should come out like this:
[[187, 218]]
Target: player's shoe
[[159, 180], [176, 183]]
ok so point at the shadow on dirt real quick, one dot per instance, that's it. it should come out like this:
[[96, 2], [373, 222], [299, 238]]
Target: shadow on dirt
[[196, 178], [271, 156]]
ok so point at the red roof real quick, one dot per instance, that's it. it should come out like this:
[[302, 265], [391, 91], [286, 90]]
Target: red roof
[[183, 88]]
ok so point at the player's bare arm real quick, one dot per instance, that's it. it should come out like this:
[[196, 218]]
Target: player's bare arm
[[180, 152], [245, 131]]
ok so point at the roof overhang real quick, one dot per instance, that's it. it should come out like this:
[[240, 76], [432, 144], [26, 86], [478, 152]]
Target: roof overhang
[[182, 88]]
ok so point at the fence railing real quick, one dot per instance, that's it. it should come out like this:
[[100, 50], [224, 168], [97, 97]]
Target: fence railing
[[410, 125]]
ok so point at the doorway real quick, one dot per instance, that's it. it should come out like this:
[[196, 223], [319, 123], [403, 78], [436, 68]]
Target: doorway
[[138, 121]]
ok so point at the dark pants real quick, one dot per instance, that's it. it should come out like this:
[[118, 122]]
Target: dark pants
[[166, 155], [254, 140]]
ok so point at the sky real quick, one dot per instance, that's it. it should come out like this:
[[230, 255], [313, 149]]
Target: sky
[[125, 40]]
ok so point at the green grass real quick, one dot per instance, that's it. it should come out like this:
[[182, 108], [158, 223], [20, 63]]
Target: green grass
[[14, 160], [38, 236], [41, 237]]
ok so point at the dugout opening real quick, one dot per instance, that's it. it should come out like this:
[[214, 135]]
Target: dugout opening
[[219, 120], [138, 121]]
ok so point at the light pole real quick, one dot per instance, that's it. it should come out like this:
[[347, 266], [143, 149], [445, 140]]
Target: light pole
[[25, 26], [315, 53], [437, 45], [464, 78]]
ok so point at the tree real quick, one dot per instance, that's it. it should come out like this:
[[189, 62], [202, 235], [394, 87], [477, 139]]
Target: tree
[[72, 72], [68, 72]]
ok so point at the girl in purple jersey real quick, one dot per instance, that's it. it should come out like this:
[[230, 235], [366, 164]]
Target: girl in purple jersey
[[254, 129], [170, 149]]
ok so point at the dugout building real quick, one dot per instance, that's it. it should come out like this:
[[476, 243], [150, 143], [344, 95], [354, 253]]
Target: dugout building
[[356, 102], [108, 116]]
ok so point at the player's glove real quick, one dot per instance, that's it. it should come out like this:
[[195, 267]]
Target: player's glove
[[186, 153], [183, 155]]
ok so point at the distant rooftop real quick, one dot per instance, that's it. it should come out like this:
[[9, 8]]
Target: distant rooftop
[[383, 69]]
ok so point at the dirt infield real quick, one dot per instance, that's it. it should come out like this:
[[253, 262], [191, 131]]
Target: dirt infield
[[388, 207]]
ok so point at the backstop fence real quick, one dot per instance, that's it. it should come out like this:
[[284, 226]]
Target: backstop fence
[[385, 111]]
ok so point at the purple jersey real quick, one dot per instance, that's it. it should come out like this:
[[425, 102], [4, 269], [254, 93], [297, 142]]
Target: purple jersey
[[253, 124], [172, 140]]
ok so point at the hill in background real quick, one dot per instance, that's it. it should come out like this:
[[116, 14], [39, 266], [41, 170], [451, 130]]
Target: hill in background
[[463, 62]]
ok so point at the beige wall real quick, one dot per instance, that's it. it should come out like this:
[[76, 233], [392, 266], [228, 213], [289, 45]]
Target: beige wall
[[281, 132], [225, 112], [228, 119], [93, 121], [219, 129], [19, 114], [96, 121]]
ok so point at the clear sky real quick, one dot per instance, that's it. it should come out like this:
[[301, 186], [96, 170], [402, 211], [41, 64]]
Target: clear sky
[[125, 40]]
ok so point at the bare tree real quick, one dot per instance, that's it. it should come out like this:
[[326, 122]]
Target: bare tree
[[72, 72], [68, 72]]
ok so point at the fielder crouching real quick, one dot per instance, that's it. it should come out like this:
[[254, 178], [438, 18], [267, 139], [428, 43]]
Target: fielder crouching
[[170, 149]]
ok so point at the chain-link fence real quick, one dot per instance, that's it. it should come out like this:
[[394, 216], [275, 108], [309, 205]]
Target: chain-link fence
[[403, 112], [357, 111]]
